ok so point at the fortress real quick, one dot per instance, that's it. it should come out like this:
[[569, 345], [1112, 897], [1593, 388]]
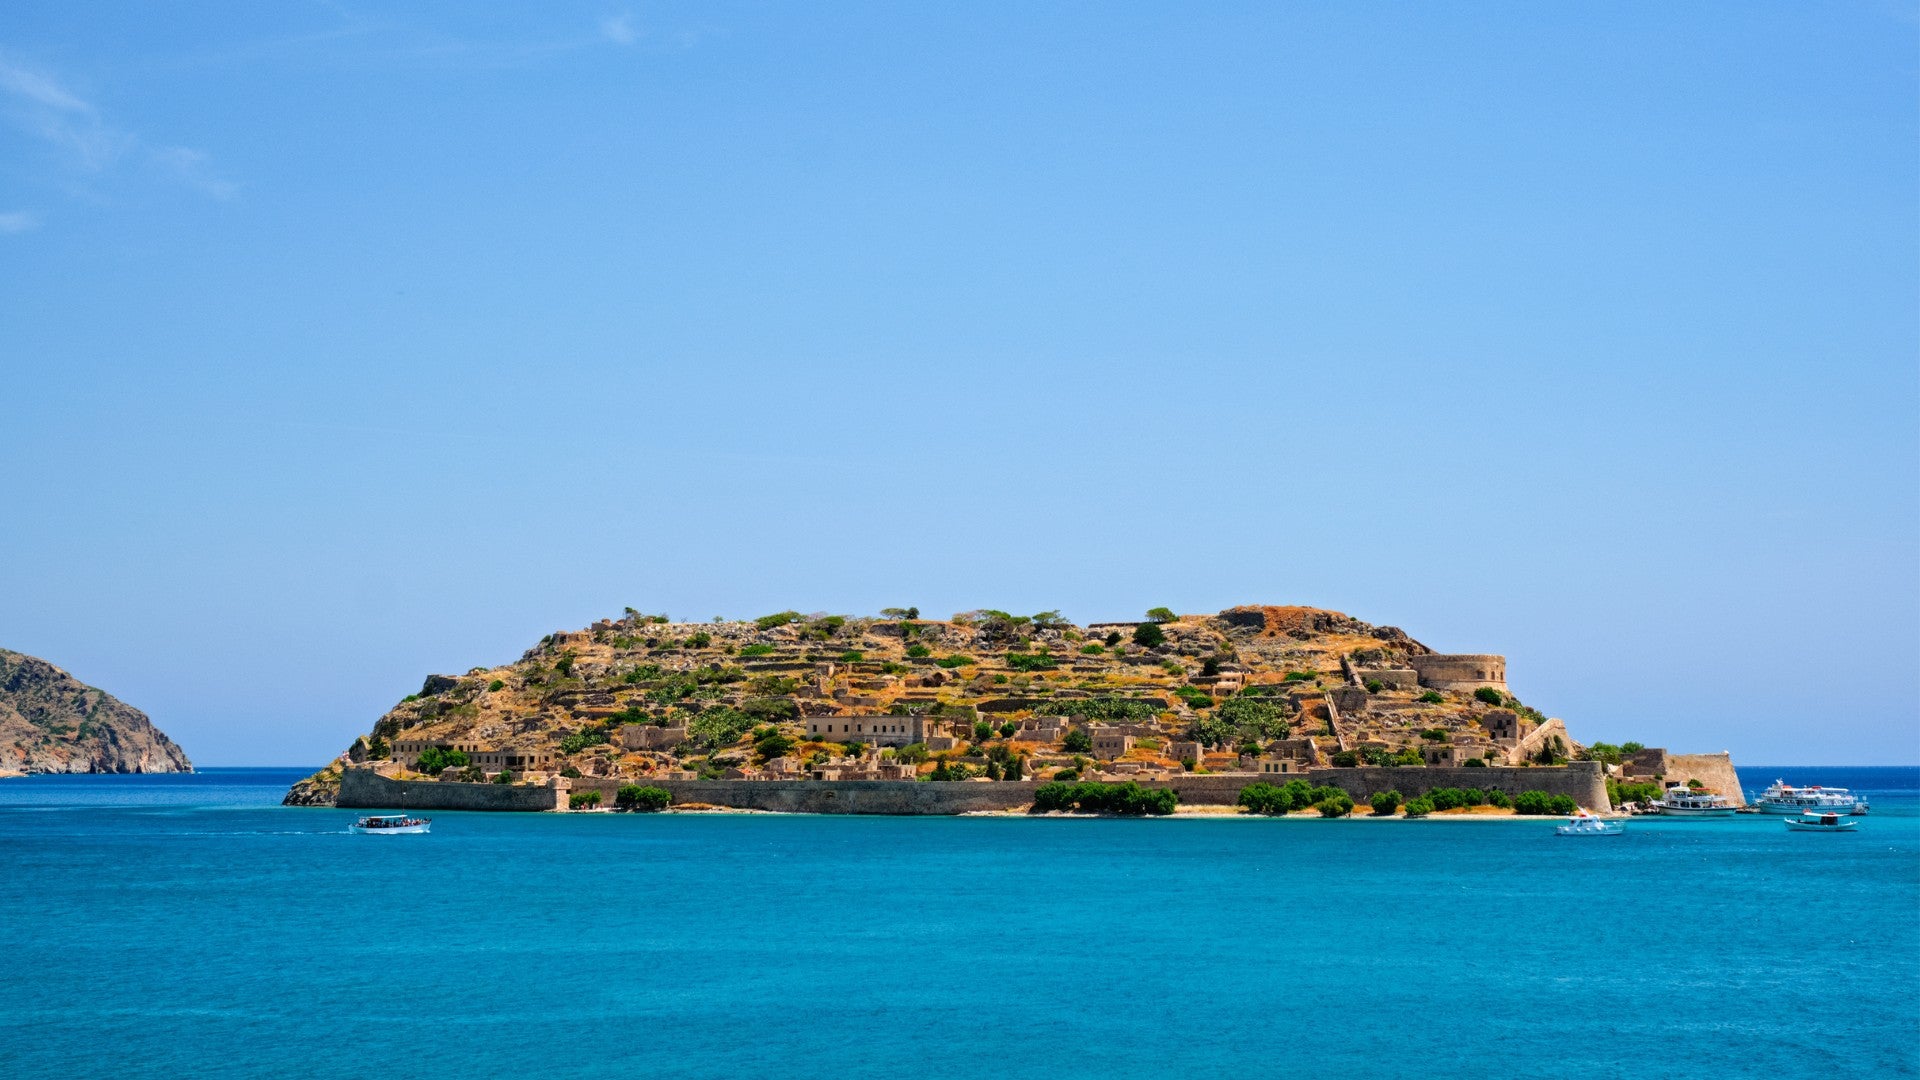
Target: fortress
[[1465, 671]]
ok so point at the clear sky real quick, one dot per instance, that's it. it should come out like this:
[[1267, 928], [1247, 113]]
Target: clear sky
[[341, 343]]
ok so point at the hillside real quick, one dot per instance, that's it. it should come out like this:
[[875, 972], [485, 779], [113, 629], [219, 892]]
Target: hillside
[[51, 722], [983, 694]]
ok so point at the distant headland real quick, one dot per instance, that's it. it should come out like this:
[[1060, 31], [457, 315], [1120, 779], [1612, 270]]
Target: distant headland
[[986, 710], [51, 722]]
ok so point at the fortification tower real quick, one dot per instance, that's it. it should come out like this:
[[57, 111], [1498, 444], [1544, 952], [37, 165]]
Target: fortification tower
[[1461, 671]]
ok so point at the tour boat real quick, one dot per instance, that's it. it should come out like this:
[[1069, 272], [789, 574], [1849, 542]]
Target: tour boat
[[1585, 823], [1783, 798], [1683, 802], [1821, 823], [392, 823]]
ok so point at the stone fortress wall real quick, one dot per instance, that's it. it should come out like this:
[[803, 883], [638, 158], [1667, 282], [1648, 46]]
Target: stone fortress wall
[[364, 789], [1461, 671]]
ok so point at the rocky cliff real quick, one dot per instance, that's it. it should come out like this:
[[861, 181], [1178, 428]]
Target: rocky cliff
[[51, 722]]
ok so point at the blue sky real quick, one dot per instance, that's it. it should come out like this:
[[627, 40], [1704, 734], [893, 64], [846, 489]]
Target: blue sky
[[344, 343]]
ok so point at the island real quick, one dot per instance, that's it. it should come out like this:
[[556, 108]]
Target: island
[[51, 722], [1262, 709]]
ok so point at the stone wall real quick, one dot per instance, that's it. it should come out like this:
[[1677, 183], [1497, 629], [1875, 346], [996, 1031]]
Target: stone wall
[[1583, 781], [363, 789]]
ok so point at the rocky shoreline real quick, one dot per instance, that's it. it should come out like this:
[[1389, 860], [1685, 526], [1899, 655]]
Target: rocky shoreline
[[51, 722]]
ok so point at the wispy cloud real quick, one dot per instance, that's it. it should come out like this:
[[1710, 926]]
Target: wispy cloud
[[619, 29], [40, 105], [18, 221]]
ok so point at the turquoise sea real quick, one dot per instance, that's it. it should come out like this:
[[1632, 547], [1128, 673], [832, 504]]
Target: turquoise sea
[[189, 927]]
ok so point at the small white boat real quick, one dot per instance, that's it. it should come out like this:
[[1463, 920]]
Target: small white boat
[[1821, 823], [1681, 801], [1585, 823], [389, 824], [1784, 798]]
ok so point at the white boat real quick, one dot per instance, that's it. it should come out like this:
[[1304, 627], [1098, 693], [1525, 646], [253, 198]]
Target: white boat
[[390, 824], [1584, 823], [1681, 801], [1784, 798], [1821, 823]]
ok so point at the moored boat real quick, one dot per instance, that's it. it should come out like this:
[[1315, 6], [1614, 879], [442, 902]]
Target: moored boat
[[1586, 823], [389, 824], [1813, 799], [1821, 823], [1681, 801]]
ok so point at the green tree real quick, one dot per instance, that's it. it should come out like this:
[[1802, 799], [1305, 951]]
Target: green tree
[[1077, 741], [435, 759], [1489, 695], [637, 798], [1420, 807], [1385, 803], [1149, 635], [1431, 697], [1161, 614]]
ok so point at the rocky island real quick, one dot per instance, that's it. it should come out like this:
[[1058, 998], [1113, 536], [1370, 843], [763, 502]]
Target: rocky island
[[51, 722], [904, 714]]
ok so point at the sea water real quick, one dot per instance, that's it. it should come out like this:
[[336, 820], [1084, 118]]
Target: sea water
[[189, 927]]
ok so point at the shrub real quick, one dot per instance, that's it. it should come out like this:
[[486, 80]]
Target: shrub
[[1562, 804], [1112, 638], [1255, 717], [1067, 775], [434, 759], [1431, 697], [700, 639], [1474, 763], [1334, 806], [982, 731], [718, 726], [852, 656], [1374, 686], [580, 800], [773, 746], [918, 651], [1031, 662], [1489, 695], [912, 753], [1434, 734], [770, 710], [1094, 649], [564, 665], [1161, 615], [496, 686], [1149, 635], [1499, 798], [1447, 798], [1195, 697], [1345, 759], [955, 661], [1419, 807], [756, 650], [640, 799], [570, 773], [1385, 803], [1632, 747], [504, 776], [1301, 676], [1077, 741], [1122, 710], [1007, 729], [768, 622]]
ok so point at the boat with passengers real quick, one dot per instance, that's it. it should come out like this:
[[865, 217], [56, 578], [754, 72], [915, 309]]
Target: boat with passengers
[[1784, 798], [391, 824], [1682, 801], [1820, 823]]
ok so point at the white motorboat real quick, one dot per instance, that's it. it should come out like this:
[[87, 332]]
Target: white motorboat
[[1681, 801], [1585, 823], [1784, 798], [391, 824], [1821, 823]]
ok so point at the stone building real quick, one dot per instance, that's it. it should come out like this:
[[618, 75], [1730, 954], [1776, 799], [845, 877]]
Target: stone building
[[648, 737], [876, 730], [1108, 744]]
